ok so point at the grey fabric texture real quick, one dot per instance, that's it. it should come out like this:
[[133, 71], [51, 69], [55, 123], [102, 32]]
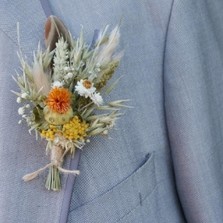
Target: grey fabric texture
[[193, 76], [163, 163]]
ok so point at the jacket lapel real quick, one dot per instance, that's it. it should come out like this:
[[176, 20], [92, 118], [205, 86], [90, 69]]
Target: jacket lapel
[[20, 153]]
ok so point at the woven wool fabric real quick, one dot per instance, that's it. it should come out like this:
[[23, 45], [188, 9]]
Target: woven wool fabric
[[164, 162]]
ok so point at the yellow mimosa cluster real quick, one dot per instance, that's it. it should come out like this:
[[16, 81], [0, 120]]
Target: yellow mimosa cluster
[[75, 129], [50, 133]]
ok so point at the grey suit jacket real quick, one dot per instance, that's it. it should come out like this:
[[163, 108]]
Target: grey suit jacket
[[164, 163]]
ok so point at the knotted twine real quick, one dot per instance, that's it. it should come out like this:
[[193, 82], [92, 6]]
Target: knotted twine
[[57, 158]]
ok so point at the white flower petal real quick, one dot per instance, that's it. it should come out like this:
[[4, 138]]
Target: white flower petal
[[97, 99], [82, 90]]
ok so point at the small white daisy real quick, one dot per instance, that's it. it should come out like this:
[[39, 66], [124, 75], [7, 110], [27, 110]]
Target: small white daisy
[[97, 99], [85, 88]]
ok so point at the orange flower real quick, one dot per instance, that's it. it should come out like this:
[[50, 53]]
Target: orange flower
[[59, 100]]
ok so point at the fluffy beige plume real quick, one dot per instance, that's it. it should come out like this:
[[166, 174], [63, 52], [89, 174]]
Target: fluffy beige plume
[[54, 30], [41, 79], [106, 53]]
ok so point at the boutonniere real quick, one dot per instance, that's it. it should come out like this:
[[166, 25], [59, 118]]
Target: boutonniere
[[62, 93]]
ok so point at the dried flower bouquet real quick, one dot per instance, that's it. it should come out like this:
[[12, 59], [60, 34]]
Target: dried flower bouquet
[[61, 93]]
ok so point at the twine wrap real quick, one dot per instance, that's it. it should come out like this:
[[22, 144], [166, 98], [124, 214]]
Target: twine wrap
[[57, 157]]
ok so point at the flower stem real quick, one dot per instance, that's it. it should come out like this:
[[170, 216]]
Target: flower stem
[[53, 179]]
